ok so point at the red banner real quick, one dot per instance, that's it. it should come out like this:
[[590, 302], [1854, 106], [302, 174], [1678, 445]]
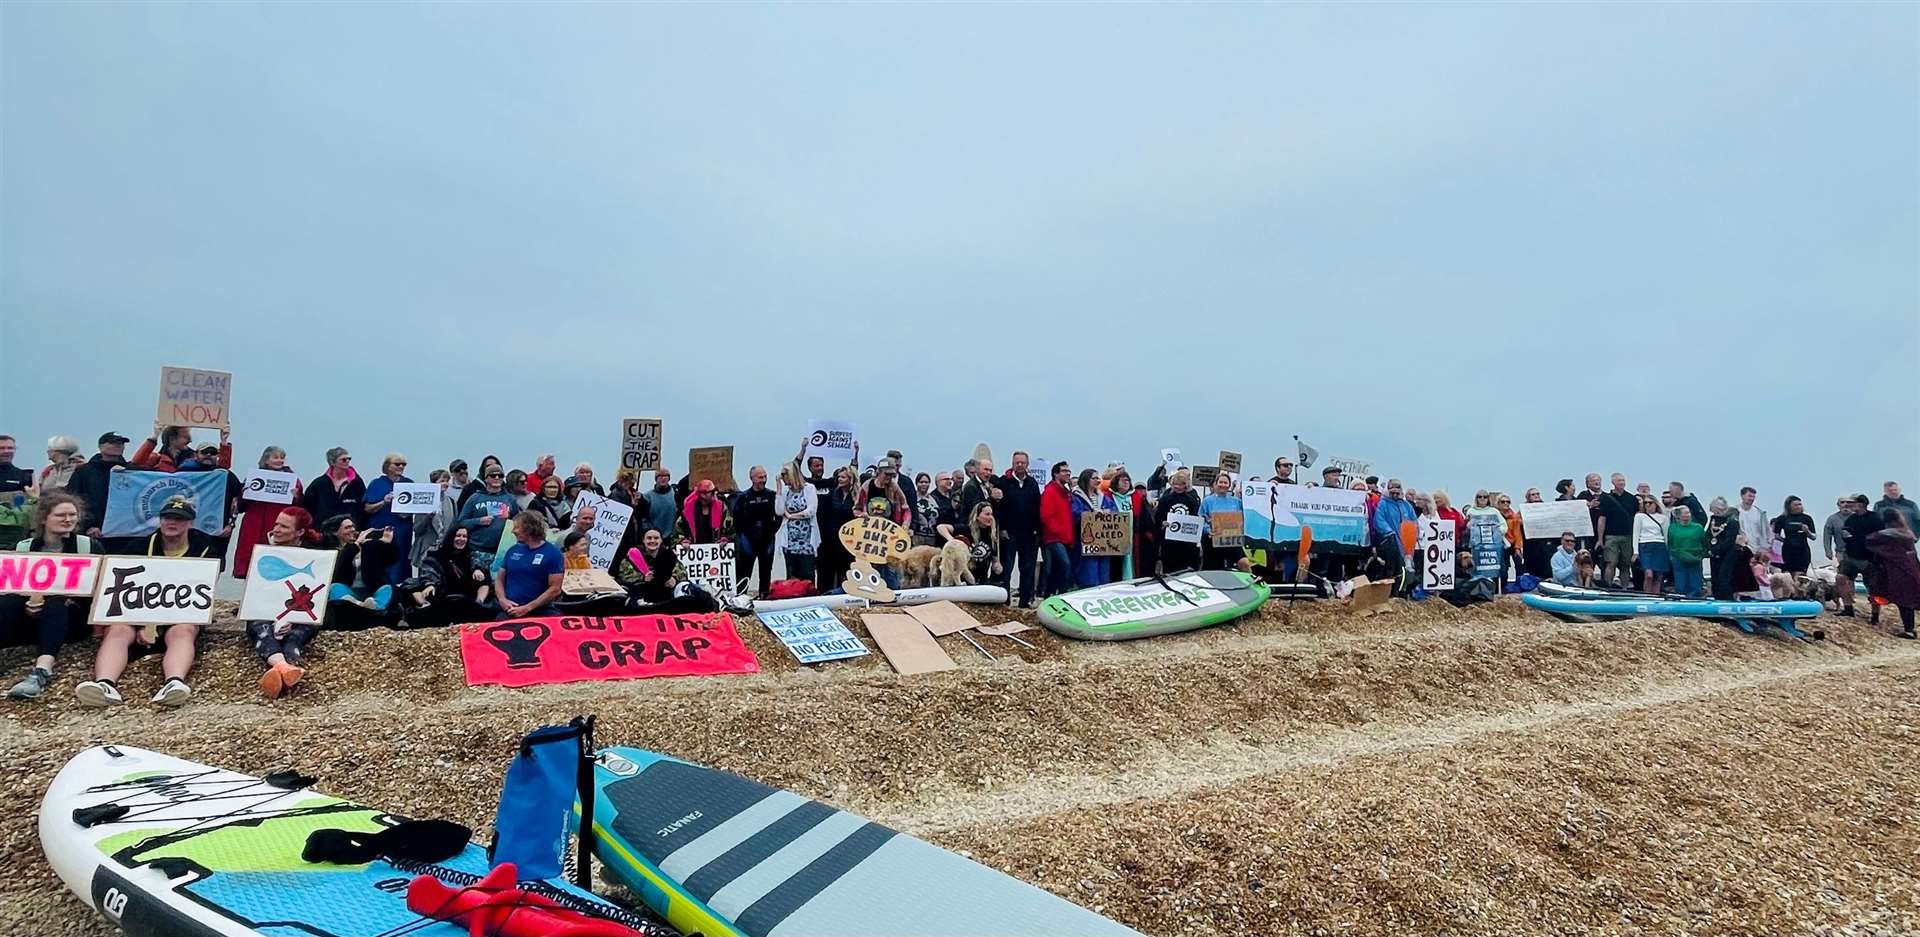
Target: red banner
[[531, 651]]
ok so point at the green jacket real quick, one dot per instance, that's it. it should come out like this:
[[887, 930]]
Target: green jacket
[[1686, 543]]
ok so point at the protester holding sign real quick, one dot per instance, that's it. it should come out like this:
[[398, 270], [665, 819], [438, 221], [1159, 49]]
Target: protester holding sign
[[1088, 498], [175, 538], [1178, 500], [171, 446], [626, 487], [799, 536], [257, 517], [46, 621], [646, 566], [1133, 502], [486, 514], [282, 642], [378, 504], [1221, 500]]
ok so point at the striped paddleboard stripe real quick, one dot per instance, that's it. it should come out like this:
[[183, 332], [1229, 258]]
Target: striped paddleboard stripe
[[693, 856], [766, 913], [785, 865], [755, 850]]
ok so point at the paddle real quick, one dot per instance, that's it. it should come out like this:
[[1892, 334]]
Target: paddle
[[1409, 535]]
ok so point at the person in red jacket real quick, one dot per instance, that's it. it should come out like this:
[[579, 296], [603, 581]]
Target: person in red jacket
[[1056, 530], [171, 445]]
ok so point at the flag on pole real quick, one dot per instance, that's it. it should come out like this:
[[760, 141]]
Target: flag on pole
[[1307, 453]]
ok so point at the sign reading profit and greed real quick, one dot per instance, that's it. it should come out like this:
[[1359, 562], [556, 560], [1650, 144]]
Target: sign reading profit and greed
[[1106, 533]]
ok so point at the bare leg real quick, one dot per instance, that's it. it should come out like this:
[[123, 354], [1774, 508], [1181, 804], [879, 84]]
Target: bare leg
[[111, 660], [180, 651], [1843, 584]]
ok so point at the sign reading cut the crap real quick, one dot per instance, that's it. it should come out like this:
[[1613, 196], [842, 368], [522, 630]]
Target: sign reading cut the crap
[[640, 444], [529, 651], [48, 573], [875, 539], [708, 565], [192, 397], [154, 590], [1106, 533]]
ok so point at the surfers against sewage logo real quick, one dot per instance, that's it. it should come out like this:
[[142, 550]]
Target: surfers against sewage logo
[[1127, 601]]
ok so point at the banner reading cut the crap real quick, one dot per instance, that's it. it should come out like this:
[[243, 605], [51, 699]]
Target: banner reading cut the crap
[[532, 651]]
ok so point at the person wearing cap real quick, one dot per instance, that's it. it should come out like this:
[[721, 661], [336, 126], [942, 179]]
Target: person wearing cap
[[485, 515], [1857, 559], [882, 496], [90, 481], [179, 643], [473, 486], [46, 621], [170, 448], [899, 460], [704, 517]]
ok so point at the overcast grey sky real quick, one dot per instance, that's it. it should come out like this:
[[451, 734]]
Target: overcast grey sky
[[1478, 244]]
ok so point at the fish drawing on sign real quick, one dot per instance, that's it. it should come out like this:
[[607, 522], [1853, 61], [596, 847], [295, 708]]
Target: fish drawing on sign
[[276, 569]]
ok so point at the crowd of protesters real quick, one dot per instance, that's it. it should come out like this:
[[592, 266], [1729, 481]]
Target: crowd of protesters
[[499, 539]]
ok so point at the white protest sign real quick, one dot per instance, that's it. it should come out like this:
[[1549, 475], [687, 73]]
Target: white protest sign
[[1352, 468], [288, 584], [154, 590], [1437, 548], [269, 486], [610, 519], [831, 440], [1183, 527], [48, 573], [1040, 471], [708, 565], [1170, 460], [640, 444], [1547, 520], [416, 497], [813, 634]]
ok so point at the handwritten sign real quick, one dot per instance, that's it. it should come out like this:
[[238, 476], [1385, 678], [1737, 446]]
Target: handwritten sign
[[640, 444], [1229, 528], [416, 497], [714, 464], [530, 651], [192, 397], [1182, 527], [875, 539], [1106, 533], [1352, 468], [610, 520], [269, 486], [1203, 476], [287, 584], [1437, 552], [831, 440], [813, 634], [1230, 463], [1547, 520], [708, 565], [48, 573], [154, 590]]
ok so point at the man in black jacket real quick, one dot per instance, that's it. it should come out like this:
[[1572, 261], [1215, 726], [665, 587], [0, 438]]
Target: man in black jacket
[[756, 519], [90, 481], [1019, 515]]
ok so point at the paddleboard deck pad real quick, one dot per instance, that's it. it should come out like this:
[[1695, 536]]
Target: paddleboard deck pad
[[1142, 608], [205, 852], [724, 856]]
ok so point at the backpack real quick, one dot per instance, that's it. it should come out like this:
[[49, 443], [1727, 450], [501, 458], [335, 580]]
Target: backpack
[[790, 589]]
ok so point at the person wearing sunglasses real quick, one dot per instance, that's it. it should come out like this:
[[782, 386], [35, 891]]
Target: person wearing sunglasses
[[338, 490], [485, 516], [380, 515], [1516, 536], [1650, 545]]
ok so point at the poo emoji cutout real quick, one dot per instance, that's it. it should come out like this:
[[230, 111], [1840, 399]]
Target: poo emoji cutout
[[864, 581]]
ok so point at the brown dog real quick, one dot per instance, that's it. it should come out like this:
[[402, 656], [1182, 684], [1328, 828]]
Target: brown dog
[[1583, 568], [917, 568], [955, 564]]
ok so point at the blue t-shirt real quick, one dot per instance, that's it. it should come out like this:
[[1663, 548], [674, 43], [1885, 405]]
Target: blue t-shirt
[[1225, 504], [527, 569]]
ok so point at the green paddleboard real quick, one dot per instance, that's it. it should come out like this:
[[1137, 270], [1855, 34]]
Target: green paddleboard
[[1142, 608]]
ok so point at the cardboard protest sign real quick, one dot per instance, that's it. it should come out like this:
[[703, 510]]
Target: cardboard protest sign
[[531, 651], [942, 618], [287, 584], [1229, 528], [813, 634], [1106, 533], [1547, 520], [1369, 597], [134, 500], [1437, 552], [153, 590], [714, 464], [709, 565], [1182, 527], [875, 539], [1483, 532], [831, 440], [416, 497], [640, 444], [610, 520], [1005, 629], [269, 486], [1203, 476], [191, 397], [588, 582], [1274, 514], [1352, 468], [48, 573], [1229, 462], [908, 646]]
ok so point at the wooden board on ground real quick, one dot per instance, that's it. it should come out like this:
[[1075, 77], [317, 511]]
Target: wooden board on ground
[[714, 464], [942, 618], [1105, 533], [908, 646], [1371, 597], [1005, 629]]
